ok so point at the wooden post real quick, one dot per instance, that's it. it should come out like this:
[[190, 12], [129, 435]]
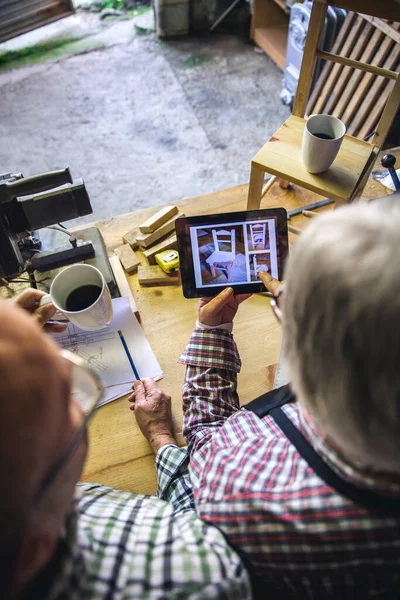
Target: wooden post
[[255, 187], [388, 115], [315, 29]]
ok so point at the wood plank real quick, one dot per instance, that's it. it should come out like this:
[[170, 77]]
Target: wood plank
[[351, 88], [336, 69], [145, 241], [361, 42], [158, 219], [130, 237], [122, 283], [318, 94], [315, 29], [384, 9], [154, 275], [356, 64], [366, 82], [169, 243], [384, 27], [375, 90], [128, 258]]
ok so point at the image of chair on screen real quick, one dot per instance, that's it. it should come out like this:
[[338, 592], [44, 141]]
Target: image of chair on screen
[[258, 236], [222, 255]]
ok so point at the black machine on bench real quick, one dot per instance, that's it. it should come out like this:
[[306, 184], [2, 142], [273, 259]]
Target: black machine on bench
[[44, 201]]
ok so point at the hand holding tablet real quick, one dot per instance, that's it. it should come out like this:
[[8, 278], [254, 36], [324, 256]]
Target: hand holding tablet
[[229, 250]]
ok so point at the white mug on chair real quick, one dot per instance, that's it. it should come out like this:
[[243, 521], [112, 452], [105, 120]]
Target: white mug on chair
[[81, 294], [322, 138]]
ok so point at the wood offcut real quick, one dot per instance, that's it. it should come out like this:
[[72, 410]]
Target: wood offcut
[[158, 219], [153, 275], [147, 240], [128, 258]]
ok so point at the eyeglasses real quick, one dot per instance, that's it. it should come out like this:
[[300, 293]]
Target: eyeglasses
[[276, 304], [87, 389]]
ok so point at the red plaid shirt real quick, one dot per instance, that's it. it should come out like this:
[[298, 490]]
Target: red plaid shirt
[[298, 535]]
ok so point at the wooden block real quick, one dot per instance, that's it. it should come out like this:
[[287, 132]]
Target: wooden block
[[130, 237], [129, 260], [144, 241], [158, 219], [122, 282], [153, 275], [164, 245]]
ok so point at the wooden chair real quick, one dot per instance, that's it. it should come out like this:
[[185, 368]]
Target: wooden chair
[[281, 155], [257, 267], [222, 259], [257, 234]]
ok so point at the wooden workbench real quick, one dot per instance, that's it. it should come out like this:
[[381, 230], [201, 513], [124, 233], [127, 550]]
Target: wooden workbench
[[119, 456]]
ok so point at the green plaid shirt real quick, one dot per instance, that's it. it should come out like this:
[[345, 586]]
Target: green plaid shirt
[[120, 545]]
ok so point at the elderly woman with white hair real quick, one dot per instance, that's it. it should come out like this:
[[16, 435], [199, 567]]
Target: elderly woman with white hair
[[305, 481]]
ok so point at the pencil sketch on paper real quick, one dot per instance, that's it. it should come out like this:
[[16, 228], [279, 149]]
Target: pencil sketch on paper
[[89, 345], [104, 352]]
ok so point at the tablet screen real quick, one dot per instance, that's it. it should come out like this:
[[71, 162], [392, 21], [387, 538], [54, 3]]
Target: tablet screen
[[231, 250]]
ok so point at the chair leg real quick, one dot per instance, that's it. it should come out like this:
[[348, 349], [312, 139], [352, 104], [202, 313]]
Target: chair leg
[[213, 274], [255, 187], [229, 271], [268, 185], [284, 184]]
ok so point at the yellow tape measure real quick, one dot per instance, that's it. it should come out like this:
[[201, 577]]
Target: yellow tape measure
[[168, 260]]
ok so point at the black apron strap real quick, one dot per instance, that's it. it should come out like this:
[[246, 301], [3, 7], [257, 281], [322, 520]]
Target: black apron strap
[[270, 404], [262, 405]]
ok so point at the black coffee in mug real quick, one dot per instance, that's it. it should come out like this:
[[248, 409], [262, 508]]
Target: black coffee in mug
[[82, 297], [324, 136]]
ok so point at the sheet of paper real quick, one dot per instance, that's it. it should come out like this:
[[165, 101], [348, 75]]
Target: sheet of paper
[[103, 351]]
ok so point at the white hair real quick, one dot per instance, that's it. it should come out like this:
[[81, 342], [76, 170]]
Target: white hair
[[342, 329]]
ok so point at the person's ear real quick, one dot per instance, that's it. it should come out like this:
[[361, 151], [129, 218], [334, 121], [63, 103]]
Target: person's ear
[[35, 552]]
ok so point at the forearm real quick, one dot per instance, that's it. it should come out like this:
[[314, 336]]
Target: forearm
[[210, 388]]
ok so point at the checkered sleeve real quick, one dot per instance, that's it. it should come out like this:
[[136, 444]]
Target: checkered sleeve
[[172, 465], [210, 389]]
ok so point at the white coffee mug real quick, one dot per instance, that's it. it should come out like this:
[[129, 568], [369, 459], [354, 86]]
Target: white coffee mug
[[318, 153], [95, 316]]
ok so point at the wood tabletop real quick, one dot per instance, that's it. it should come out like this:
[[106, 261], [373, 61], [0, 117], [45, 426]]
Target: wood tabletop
[[119, 456]]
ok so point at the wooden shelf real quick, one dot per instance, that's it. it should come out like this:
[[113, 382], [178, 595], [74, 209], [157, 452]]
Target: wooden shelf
[[269, 28], [273, 40], [282, 4]]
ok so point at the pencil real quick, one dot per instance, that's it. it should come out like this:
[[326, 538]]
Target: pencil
[[134, 369]]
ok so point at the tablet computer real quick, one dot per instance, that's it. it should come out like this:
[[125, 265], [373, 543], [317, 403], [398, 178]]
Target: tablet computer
[[229, 250]]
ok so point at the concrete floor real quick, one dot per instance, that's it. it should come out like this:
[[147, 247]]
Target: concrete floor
[[141, 120]]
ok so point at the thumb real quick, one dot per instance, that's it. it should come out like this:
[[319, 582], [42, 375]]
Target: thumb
[[44, 313], [217, 304]]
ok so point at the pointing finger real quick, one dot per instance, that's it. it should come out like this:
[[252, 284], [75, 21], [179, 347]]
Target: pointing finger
[[272, 285]]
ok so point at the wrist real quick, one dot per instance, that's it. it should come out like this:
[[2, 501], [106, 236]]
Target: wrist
[[225, 326], [158, 440]]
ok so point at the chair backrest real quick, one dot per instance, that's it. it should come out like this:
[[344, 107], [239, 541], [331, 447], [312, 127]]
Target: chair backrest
[[224, 237], [258, 231], [357, 50]]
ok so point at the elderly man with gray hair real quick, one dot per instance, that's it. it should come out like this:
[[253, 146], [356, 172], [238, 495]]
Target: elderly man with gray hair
[[305, 481]]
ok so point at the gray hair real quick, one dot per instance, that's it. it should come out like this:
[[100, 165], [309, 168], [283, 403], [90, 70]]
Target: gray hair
[[342, 329]]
